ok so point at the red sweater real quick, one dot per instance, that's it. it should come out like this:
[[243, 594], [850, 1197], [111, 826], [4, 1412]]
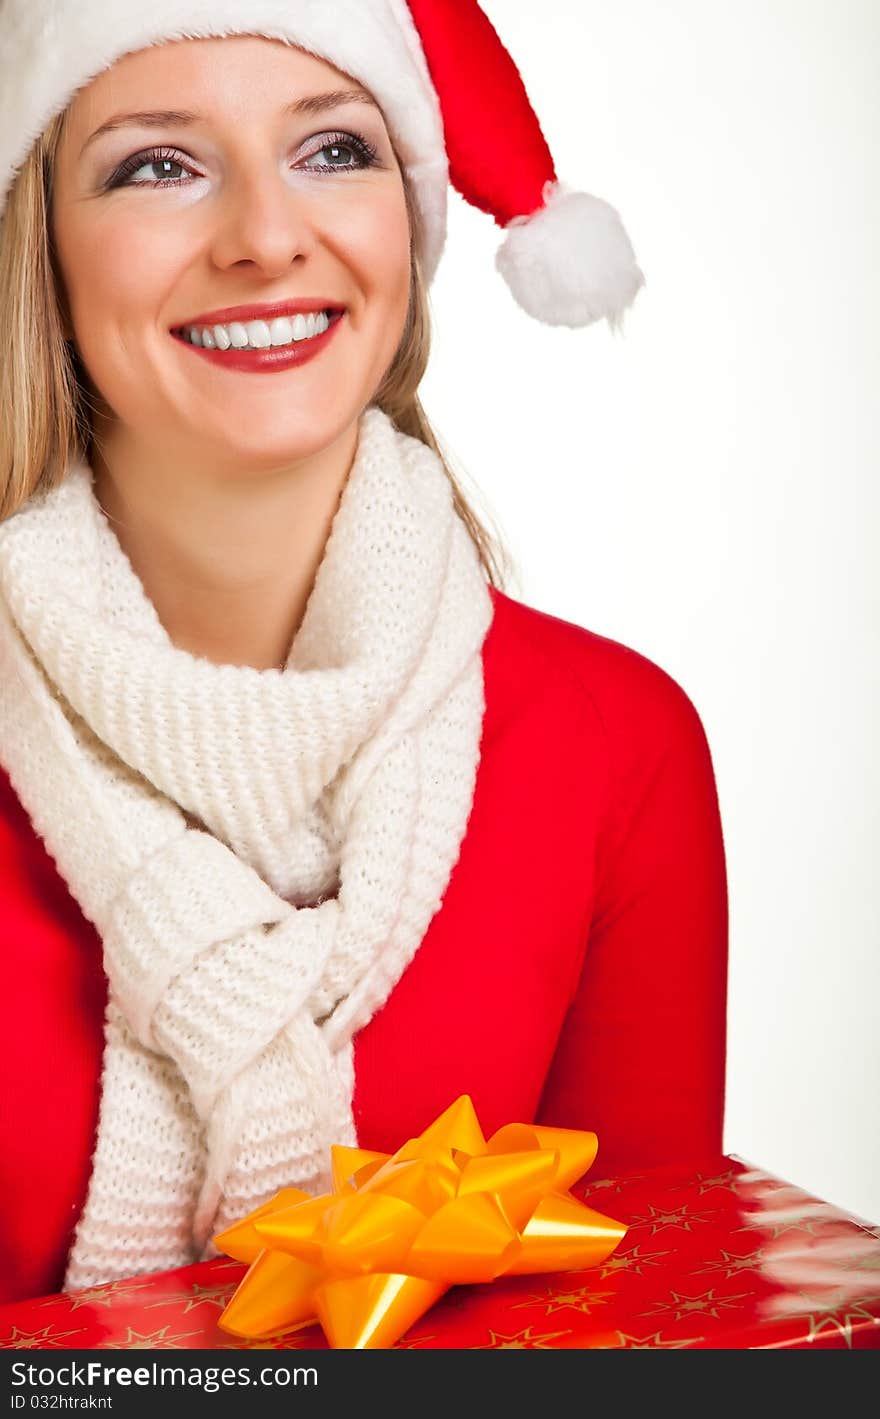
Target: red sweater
[[575, 973]]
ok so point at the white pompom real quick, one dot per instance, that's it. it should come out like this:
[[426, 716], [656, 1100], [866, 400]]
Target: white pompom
[[571, 262]]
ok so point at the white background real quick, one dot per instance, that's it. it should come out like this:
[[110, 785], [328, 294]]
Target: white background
[[704, 487]]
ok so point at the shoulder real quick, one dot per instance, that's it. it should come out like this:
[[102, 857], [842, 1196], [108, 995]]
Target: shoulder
[[615, 724], [634, 702]]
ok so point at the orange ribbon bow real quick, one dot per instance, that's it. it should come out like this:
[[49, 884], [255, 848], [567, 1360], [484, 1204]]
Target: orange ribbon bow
[[449, 1207]]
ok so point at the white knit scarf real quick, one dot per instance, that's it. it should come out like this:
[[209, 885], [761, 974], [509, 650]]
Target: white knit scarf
[[260, 852]]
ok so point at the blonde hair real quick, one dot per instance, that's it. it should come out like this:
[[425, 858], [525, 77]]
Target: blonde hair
[[46, 396]]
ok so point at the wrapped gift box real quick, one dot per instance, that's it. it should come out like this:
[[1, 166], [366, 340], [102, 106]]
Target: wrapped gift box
[[720, 1256]]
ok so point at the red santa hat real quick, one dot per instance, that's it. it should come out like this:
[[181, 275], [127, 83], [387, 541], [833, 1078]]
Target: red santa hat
[[452, 96]]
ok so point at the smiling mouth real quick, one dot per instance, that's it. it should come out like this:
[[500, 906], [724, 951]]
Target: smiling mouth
[[278, 333]]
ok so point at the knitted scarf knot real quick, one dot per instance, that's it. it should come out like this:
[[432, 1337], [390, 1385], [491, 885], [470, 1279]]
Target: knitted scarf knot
[[260, 852]]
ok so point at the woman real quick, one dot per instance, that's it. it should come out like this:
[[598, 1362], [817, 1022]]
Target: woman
[[308, 827]]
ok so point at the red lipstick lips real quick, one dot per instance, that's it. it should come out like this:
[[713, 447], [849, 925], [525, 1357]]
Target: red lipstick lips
[[303, 306], [275, 358]]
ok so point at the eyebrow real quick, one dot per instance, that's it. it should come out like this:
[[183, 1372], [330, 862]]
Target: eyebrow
[[163, 118]]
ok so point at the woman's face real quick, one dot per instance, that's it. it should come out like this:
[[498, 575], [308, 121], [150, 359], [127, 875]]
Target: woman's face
[[237, 202]]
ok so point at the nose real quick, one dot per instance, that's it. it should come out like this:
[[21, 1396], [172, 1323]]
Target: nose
[[263, 220]]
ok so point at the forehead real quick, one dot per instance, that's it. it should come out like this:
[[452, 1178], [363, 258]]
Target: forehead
[[239, 75]]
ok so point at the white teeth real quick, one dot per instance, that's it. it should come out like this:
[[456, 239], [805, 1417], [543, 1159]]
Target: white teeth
[[280, 331], [258, 334]]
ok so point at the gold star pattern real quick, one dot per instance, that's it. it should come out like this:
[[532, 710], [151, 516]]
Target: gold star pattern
[[155, 1340], [198, 1296], [284, 1340], [652, 1342], [730, 1263], [106, 1295], [838, 1317], [705, 1303], [521, 1340], [583, 1299], [762, 1223], [675, 1217], [727, 1179], [36, 1339], [622, 1183], [633, 1262], [866, 1261]]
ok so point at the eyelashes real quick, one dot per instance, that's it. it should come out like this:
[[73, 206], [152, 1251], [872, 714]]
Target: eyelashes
[[363, 149]]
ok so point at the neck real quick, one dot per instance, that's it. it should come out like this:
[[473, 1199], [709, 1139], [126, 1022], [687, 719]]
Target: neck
[[228, 557]]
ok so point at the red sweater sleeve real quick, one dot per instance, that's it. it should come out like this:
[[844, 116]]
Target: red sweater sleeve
[[641, 1055]]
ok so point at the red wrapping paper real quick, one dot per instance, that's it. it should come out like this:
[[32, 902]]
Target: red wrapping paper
[[722, 1255]]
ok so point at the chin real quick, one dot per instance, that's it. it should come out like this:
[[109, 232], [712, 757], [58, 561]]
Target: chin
[[296, 441]]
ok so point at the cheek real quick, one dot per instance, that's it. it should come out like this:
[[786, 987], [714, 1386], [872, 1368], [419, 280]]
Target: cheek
[[378, 240], [115, 271]]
